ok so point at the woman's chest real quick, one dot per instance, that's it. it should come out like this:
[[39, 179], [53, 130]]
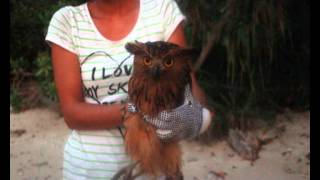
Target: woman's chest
[[115, 28], [104, 75]]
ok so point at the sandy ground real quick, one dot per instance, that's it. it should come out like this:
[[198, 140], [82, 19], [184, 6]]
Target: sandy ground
[[37, 138]]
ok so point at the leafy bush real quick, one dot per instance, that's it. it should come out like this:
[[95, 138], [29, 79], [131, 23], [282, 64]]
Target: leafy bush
[[258, 55], [28, 24], [29, 21], [44, 76], [15, 100]]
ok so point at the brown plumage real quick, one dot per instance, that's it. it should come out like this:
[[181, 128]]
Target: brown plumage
[[160, 73]]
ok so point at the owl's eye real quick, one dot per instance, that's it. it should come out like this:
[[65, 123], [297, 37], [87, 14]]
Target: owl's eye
[[147, 61], [168, 62]]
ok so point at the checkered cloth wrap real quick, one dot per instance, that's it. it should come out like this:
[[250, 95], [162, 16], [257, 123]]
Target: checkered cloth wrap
[[183, 122]]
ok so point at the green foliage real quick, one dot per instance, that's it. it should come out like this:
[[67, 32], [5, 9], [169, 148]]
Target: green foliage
[[44, 76], [260, 56], [15, 100], [29, 21], [28, 24]]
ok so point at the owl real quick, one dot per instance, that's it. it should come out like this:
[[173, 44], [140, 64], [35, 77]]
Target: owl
[[161, 71]]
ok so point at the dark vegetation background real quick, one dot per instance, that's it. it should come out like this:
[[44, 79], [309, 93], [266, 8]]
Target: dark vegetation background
[[257, 64]]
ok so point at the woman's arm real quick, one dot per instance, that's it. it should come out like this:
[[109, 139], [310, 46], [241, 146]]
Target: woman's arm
[[178, 37], [78, 114]]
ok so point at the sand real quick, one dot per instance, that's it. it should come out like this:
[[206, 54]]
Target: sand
[[37, 139]]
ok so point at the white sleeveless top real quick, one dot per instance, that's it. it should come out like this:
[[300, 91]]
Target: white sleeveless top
[[105, 68]]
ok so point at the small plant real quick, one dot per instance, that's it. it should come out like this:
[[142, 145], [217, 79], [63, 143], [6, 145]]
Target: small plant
[[44, 75], [15, 100]]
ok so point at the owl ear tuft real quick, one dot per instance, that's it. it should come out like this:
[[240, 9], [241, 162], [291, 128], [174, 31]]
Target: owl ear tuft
[[135, 48]]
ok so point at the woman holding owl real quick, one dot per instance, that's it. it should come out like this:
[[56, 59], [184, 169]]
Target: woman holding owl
[[92, 69]]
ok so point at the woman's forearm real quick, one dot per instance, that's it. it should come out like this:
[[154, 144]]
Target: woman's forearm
[[85, 116], [77, 113]]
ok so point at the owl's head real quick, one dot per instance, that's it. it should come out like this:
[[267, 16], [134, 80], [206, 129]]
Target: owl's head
[[160, 60]]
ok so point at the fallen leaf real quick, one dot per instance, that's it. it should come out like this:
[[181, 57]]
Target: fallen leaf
[[214, 175], [18, 132], [41, 164], [230, 155], [308, 156]]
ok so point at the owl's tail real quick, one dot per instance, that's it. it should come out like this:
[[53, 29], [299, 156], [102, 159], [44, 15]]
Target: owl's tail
[[143, 145]]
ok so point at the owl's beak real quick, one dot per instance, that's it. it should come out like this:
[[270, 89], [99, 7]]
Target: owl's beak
[[155, 72]]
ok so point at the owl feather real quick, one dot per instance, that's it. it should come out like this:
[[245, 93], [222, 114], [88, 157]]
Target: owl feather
[[161, 72]]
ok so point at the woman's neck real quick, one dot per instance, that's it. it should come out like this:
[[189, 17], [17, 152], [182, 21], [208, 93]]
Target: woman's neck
[[102, 9]]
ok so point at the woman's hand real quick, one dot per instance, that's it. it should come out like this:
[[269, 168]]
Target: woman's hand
[[183, 122]]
